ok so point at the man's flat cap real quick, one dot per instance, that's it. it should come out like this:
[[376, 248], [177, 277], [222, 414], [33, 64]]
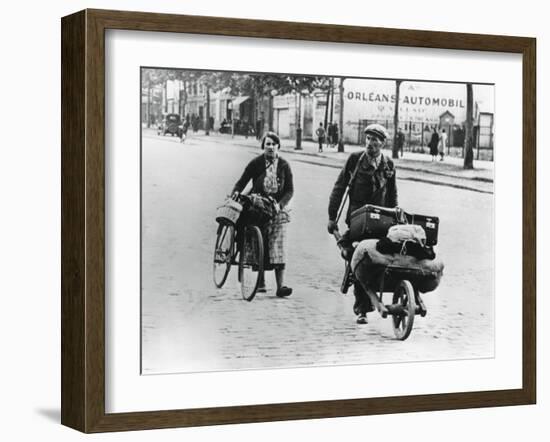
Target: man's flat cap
[[377, 130]]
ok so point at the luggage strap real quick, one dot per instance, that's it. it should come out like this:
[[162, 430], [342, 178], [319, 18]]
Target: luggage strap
[[350, 182]]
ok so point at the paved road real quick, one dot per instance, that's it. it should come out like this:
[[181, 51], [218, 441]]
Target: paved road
[[188, 325]]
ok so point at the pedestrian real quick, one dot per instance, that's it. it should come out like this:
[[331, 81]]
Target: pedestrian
[[184, 128], [373, 183], [336, 135], [434, 142], [259, 128], [400, 141], [271, 176], [442, 144], [320, 132], [330, 134]]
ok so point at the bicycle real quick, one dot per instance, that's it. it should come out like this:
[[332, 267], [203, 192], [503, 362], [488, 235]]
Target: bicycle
[[240, 244]]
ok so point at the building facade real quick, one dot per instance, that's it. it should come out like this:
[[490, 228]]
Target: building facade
[[423, 106]]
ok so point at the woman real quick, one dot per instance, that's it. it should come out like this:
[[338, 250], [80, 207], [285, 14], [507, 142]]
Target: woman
[[442, 144], [433, 144], [271, 176]]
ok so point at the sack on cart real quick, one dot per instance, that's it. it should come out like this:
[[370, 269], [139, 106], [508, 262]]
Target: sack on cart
[[368, 263]]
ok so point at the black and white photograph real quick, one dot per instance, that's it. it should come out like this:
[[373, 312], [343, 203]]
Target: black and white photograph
[[295, 220]]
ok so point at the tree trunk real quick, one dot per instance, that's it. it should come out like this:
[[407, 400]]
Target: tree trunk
[[299, 123], [184, 107], [331, 99], [270, 120], [341, 125], [165, 96], [469, 133], [149, 105], [207, 125], [395, 150], [326, 108]]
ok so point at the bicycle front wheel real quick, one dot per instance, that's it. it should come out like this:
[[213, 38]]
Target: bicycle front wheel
[[251, 261], [223, 253]]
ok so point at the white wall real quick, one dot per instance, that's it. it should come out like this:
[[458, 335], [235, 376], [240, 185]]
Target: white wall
[[30, 222]]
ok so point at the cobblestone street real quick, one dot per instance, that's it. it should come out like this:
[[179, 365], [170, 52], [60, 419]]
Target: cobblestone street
[[189, 325]]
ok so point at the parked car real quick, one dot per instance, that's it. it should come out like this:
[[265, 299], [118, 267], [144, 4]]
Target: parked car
[[172, 124]]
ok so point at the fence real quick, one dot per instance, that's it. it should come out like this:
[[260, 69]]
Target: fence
[[418, 134]]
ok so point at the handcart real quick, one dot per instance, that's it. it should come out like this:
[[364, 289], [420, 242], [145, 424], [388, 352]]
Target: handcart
[[402, 281]]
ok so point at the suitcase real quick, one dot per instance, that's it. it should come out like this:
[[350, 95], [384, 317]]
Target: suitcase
[[430, 224], [371, 221]]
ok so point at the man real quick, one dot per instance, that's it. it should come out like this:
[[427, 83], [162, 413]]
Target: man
[[320, 132], [330, 134], [400, 142], [373, 183]]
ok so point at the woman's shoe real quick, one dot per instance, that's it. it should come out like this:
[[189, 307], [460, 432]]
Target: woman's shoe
[[362, 319], [284, 291]]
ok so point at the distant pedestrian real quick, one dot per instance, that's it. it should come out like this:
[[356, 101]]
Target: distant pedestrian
[[442, 144], [400, 141], [321, 134], [434, 142], [335, 134], [330, 134], [184, 129], [259, 128]]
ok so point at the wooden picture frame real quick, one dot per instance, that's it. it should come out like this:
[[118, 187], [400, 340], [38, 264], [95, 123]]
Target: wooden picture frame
[[83, 220]]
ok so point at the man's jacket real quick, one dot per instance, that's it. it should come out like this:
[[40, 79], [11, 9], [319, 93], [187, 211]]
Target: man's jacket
[[371, 185]]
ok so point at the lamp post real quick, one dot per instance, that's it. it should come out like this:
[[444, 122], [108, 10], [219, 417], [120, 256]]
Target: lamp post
[[299, 121]]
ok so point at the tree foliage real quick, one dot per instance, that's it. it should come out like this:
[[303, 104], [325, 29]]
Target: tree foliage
[[238, 83]]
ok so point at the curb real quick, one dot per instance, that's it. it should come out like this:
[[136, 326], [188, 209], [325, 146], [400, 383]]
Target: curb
[[338, 162], [401, 166]]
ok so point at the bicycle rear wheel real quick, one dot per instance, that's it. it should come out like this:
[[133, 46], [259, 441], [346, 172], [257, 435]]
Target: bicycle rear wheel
[[223, 253], [251, 261]]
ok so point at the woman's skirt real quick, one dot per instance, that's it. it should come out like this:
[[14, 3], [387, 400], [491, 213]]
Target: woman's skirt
[[275, 241]]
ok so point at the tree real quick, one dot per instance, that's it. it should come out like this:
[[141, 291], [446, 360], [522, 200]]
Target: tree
[[469, 133], [259, 86], [147, 88], [395, 150], [212, 82], [150, 78], [341, 125], [301, 85]]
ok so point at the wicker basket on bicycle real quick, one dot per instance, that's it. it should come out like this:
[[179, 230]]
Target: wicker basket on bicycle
[[229, 212]]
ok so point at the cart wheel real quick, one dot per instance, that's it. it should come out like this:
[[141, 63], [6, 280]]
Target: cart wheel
[[404, 296], [223, 253], [251, 261]]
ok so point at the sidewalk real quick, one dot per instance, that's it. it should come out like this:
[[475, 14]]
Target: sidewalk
[[412, 166]]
